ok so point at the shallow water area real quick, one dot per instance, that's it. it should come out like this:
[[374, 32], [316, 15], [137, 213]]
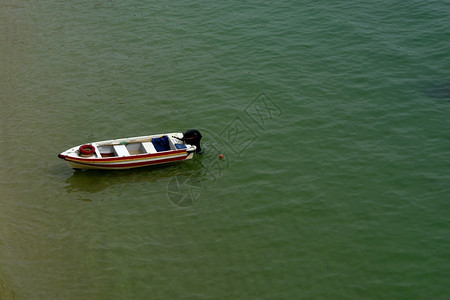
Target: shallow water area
[[333, 124]]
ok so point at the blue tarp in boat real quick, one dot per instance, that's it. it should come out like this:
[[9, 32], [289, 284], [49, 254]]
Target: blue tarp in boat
[[161, 144]]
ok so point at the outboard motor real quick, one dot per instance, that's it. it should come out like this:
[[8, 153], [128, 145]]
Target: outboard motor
[[193, 137]]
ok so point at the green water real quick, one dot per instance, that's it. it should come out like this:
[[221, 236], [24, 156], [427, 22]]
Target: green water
[[333, 119]]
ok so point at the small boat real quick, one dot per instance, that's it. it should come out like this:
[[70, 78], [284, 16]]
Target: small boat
[[134, 152]]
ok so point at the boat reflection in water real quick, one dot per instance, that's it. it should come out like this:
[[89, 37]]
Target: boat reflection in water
[[156, 180]]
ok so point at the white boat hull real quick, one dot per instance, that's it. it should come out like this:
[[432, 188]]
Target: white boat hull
[[130, 153]]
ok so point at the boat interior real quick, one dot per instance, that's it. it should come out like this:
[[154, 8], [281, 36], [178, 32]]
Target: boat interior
[[153, 145]]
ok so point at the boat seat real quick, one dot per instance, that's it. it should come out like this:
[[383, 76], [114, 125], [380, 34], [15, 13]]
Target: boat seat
[[121, 150], [149, 148]]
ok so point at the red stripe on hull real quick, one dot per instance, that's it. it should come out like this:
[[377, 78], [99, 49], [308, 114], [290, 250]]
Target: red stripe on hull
[[126, 165], [126, 158]]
